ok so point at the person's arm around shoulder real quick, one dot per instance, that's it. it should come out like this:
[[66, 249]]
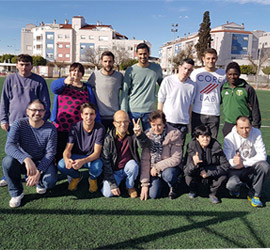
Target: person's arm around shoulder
[[145, 173], [126, 87]]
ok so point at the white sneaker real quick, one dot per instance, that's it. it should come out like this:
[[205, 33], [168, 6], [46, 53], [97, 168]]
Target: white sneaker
[[16, 201], [3, 183], [41, 190]]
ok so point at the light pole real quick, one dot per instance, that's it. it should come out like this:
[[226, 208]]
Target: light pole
[[174, 29]]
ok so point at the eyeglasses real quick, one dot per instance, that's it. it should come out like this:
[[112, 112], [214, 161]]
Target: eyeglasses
[[122, 122], [37, 110]]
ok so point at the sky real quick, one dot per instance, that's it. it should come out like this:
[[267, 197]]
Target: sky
[[143, 19]]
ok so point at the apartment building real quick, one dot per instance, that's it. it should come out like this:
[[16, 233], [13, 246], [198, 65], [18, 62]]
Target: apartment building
[[231, 40], [69, 42]]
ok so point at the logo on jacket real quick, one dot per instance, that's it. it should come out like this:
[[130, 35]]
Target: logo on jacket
[[226, 93], [239, 92]]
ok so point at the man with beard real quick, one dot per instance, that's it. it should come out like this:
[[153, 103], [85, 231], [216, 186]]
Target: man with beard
[[106, 84], [139, 89]]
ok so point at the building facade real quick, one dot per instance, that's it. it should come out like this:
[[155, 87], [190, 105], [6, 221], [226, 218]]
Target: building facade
[[72, 42], [231, 40]]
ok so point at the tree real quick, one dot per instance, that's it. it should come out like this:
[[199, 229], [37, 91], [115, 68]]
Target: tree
[[39, 61], [266, 70], [120, 55], [7, 58], [59, 65], [204, 41], [248, 69], [92, 56], [14, 59], [127, 63], [182, 54], [264, 55]]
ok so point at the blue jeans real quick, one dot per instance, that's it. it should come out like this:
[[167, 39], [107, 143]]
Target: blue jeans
[[130, 172], [13, 170], [142, 116], [169, 176], [94, 167]]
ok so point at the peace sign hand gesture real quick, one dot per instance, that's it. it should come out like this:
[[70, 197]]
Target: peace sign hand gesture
[[136, 127]]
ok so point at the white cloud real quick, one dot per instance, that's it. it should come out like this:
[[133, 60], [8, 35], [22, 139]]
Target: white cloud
[[263, 2], [183, 17]]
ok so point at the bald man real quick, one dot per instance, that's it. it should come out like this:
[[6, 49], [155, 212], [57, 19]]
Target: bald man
[[120, 157]]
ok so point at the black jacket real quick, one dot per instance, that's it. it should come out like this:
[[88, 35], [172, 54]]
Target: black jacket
[[109, 155], [214, 160]]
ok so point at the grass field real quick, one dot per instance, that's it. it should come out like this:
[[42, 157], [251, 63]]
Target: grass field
[[79, 220]]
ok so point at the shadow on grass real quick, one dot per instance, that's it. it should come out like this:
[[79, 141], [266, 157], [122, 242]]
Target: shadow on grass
[[206, 224]]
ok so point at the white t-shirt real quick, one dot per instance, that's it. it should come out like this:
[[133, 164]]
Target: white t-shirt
[[208, 84], [176, 97]]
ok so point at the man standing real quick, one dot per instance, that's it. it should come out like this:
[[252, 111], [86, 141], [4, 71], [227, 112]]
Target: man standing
[[107, 84], [138, 97], [83, 149], [208, 80], [120, 158], [18, 90], [30, 149], [175, 97], [245, 151]]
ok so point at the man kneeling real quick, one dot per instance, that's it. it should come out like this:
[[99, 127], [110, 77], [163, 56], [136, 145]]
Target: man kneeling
[[245, 150], [83, 149], [30, 149], [120, 158]]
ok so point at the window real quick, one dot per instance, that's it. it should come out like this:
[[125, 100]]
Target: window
[[67, 36], [60, 36], [234, 48], [60, 45], [50, 36], [83, 37], [49, 55], [244, 48], [103, 38], [235, 37], [28, 47], [103, 48], [82, 46], [67, 55], [91, 37], [245, 38], [67, 46], [60, 55], [49, 46]]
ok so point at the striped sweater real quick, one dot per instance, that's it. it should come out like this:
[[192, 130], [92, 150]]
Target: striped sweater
[[39, 144]]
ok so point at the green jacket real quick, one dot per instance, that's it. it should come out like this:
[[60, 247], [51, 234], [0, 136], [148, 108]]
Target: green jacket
[[241, 100]]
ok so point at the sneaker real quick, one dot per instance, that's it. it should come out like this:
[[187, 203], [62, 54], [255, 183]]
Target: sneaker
[[235, 194], [173, 193], [192, 195], [72, 186], [214, 199], [16, 201], [93, 187], [255, 201], [3, 182], [41, 190], [132, 193]]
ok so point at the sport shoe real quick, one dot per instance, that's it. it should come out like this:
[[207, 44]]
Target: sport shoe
[[132, 193], [41, 190], [93, 187], [16, 201], [192, 195], [255, 201], [3, 182], [214, 199], [173, 193], [72, 186]]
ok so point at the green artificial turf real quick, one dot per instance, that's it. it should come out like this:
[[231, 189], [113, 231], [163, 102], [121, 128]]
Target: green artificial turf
[[79, 220]]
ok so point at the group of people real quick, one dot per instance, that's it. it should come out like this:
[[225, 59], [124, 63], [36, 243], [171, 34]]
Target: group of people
[[100, 125]]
